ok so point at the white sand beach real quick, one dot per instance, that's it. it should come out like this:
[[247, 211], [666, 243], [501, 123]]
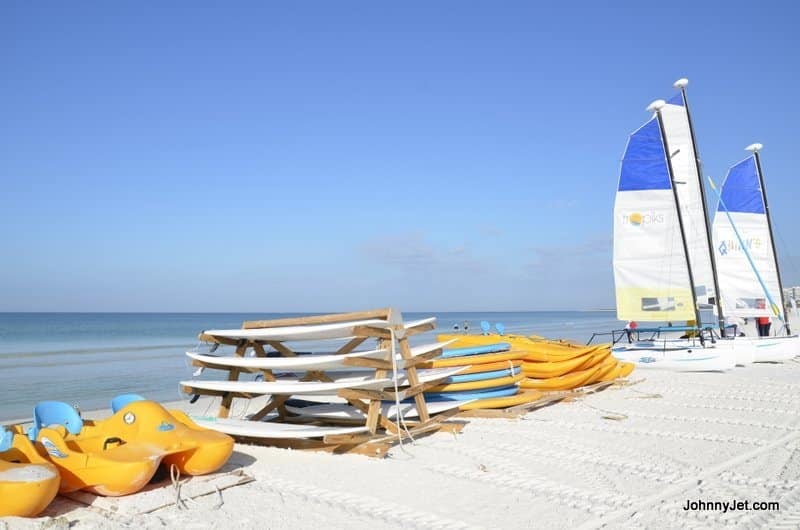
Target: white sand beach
[[628, 457]]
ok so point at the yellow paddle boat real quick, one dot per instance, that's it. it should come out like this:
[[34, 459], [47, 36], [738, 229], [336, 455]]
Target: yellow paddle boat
[[194, 450], [100, 462], [28, 482], [119, 455]]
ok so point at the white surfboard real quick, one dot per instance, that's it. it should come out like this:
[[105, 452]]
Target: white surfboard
[[425, 375], [339, 411], [309, 332], [324, 361], [305, 362], [415, 351], [263, 429], [422, 349], [292, 386], [289, 387]]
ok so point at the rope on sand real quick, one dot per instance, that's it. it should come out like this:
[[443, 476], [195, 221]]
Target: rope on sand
[[606, 414], [400, 421], [175, 476], [644, 395]]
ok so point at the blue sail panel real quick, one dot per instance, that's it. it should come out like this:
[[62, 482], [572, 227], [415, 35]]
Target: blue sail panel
[[644, 165], [677, 99], [741, 191]]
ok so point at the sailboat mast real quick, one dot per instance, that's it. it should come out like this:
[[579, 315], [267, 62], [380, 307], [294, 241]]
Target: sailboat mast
[[657, 106], [681, 85], [755, 148]]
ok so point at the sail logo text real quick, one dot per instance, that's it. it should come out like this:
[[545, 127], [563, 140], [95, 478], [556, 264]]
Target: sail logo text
[[731, 245], [639, 219]]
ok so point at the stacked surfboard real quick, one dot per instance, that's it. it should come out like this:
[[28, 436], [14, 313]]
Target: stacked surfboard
[[338, 393], [552, 365]]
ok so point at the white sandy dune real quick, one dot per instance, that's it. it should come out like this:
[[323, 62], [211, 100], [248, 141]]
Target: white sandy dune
[[627, 457]]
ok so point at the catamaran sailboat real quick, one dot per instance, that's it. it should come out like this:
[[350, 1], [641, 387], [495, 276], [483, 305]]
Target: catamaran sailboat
[[749, 276], [656, 244]]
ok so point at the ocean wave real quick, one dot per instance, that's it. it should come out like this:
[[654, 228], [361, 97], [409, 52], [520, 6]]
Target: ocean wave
[[42, 362], [93, 351]]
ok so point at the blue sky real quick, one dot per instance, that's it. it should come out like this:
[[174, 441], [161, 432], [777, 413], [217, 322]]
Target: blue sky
[[326, 156]]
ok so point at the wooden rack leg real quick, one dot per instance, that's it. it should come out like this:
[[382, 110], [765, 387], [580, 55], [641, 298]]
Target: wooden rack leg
[[411, 373], [275, 402], [233, 375], [374, 410]]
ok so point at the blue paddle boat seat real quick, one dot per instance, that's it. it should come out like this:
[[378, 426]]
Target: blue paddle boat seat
[[6, 439], [55, 413], [122, 400]]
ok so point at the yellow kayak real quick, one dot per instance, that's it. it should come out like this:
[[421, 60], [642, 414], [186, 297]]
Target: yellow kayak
[[467, 360], [524, 396], [564, 382], [476, 385], [547, 369], [491, 367], [596, 358], [28, 482], [621, 369], [536, 350]]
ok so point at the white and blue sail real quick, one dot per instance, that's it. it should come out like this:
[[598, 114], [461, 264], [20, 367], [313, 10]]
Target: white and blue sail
[[748, 273], [691, 199], [651, 270], [653, 257]]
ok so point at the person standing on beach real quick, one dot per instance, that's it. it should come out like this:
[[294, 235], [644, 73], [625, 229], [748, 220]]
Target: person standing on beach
[[763, 323], [629, 327]]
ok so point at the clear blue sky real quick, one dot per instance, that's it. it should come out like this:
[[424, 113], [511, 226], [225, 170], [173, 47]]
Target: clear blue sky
[[324, 156]]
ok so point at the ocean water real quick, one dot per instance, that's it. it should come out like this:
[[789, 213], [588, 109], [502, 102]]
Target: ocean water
[[88, 358]]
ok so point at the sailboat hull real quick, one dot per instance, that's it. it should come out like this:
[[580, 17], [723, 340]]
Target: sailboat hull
[[667, 355], [749, 350]]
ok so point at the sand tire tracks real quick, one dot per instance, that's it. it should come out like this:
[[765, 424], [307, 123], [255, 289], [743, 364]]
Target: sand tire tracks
[[681, 486], [509, 475], [368, 507], [707, 437]]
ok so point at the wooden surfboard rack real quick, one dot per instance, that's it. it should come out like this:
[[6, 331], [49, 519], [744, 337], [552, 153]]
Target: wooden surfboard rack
[[386, 326]]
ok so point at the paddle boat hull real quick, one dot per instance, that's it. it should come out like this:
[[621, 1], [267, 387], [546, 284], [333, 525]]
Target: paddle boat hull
[[28, 482], [212, 450], [119, 455], [84, 465], [194, 450]]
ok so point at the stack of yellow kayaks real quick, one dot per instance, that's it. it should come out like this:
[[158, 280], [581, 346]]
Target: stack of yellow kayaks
[[119, 455], [27, 481], [490, 381], [554, 365]]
